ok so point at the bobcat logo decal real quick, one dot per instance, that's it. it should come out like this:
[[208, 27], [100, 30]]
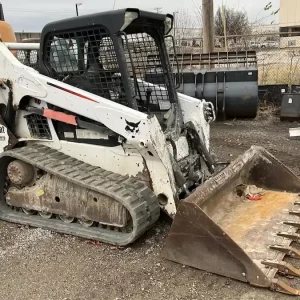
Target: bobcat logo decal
[[132, 128]]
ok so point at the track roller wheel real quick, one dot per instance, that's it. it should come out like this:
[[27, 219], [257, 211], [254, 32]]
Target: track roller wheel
[[67, 219], [86, 223], [45, 215], [28, 212]]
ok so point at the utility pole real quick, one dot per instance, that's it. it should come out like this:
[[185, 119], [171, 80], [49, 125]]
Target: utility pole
[[1, 13], [158, 9], [77, 4], [208, 26]]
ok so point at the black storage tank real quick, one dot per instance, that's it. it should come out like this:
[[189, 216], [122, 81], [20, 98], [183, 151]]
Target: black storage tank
[[290, 106], [227, 79]]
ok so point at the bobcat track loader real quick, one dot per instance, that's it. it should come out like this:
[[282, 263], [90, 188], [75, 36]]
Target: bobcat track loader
[[90, 148]]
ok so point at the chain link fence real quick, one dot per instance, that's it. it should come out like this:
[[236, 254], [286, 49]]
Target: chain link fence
[[278, 55]]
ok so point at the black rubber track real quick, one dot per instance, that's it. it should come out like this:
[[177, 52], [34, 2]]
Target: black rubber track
[[138, 199]]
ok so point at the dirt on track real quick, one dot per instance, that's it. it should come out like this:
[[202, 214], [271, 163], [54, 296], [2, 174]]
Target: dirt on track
[[41, 265]]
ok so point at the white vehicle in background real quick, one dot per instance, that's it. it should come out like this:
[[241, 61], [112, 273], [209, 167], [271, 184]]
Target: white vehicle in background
[[263, 45], [270, 44], [254, 45]]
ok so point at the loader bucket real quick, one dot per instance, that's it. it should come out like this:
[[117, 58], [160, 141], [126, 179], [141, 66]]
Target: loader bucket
[[218, 230]]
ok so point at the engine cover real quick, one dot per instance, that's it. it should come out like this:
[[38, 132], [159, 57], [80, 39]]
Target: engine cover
[[54, 195]]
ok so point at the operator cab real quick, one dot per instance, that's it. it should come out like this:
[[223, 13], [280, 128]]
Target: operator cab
[[119, 55]]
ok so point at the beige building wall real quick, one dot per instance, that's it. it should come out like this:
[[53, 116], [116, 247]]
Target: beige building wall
[[289, 13], [27, 35]]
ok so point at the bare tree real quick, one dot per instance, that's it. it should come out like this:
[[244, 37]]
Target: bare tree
[[197, 8], [188, 28], [187, 23], [237, 22]]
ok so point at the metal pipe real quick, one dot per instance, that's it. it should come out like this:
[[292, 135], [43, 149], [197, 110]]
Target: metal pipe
[[224, 26], [22, 46]]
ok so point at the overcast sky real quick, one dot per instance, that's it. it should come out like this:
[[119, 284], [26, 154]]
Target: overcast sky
[[32, 15]]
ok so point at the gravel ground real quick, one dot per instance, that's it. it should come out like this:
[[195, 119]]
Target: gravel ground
[[38, 264]]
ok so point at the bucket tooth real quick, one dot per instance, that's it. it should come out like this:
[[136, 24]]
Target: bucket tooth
[[294, 213], [292, 236], [290, 251], [282, 287], [283, 267], [294, 224]]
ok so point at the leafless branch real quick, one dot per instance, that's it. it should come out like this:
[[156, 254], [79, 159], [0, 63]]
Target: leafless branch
[[236, 22]]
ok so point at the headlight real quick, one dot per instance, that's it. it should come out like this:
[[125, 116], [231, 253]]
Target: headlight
[[168, 24], [129, 17]]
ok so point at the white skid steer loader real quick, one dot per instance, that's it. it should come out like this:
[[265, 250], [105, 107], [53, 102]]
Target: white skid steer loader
[[89, 147]]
